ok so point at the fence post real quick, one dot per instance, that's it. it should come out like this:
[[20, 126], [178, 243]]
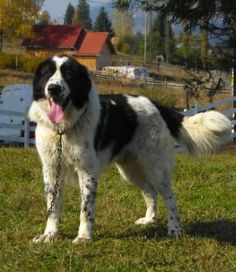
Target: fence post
[[26, 131]]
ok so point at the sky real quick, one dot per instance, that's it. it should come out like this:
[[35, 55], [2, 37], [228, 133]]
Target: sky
[[57, 8]]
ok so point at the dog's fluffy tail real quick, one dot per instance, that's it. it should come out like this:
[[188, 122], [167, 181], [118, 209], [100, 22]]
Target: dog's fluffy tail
[[202, 134], [205, 133]]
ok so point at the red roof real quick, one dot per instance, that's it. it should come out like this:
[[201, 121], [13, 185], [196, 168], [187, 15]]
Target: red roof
[[63, 36], [94, 42]]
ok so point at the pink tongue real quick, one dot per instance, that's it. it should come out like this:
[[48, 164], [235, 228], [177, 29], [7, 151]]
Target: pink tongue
[[56, 113]]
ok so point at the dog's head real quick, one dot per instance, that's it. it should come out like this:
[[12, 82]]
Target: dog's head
[[62, 81]]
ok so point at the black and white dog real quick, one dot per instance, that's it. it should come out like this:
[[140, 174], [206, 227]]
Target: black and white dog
[[136, 133]]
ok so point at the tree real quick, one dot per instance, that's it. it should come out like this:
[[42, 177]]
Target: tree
[[103, 23], [75, 17], [188, 50], [44, 18], [17, 18], [204, 44], [83, 14], [130, 44], [162, 37], [218, 17], [123, 23], [70, 11], [187, 42]]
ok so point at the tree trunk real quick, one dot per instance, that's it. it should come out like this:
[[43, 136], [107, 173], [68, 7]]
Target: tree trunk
[[234, 69], [1, 40], [204, 44], [167, 39]]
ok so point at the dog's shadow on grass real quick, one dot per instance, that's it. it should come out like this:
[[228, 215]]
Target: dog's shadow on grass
[[221, 230], [146, 232]]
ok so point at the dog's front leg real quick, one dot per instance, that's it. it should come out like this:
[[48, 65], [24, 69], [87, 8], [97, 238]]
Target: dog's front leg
[[88, 188], [54, 200]]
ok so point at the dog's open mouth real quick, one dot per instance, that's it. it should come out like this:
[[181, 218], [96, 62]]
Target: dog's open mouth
[[56, 112]]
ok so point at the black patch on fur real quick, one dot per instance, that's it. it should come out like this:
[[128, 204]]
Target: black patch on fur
[[117, 125], [77, 77], [41, 76], [172, 118]]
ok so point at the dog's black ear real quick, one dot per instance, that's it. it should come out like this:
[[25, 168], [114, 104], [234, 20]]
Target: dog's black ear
[[79, 82], [84, 78], [43, 72]]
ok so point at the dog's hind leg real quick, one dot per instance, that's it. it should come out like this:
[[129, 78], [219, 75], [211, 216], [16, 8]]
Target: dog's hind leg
[[161, 180], [174, 228], [150, 197], [129, 171], [158, 180]]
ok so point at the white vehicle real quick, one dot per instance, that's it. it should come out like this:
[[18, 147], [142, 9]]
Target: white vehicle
[[15, 101], [127, 71]]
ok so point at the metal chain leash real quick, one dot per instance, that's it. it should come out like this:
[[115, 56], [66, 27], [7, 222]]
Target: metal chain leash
[[58, 172]]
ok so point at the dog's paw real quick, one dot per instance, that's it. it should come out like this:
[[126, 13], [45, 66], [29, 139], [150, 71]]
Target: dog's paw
[[175, 232], [44, 238], [145, 221], [79, 240]]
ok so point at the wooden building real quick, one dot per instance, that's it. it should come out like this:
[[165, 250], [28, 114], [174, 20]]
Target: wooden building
[[96, 50], [93, 49]]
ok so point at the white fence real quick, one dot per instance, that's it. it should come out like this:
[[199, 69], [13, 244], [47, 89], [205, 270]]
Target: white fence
[[138, 81], [23, 132], [18, 133]]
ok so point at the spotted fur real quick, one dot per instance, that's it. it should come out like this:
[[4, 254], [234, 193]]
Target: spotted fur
[[137, 134]]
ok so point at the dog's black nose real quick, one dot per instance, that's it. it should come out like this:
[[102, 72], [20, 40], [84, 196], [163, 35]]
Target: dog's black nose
[[54, 89]]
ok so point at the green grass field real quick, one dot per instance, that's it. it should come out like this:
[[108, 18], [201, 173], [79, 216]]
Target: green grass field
[[206, 194]]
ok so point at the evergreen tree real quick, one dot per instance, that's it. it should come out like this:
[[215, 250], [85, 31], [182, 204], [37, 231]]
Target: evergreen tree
[[103, 23], [70, 11], [83, 14]]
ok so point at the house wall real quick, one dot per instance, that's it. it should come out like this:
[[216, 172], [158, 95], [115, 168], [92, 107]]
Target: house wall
[[89, 62], [105, 59]]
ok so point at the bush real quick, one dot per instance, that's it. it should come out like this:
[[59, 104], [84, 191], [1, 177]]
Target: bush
[[28, 64], [21, 62], [7, 61], [130, 44]]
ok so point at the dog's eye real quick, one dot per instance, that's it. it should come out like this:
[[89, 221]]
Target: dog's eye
[[67, 75], [46, 71]]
